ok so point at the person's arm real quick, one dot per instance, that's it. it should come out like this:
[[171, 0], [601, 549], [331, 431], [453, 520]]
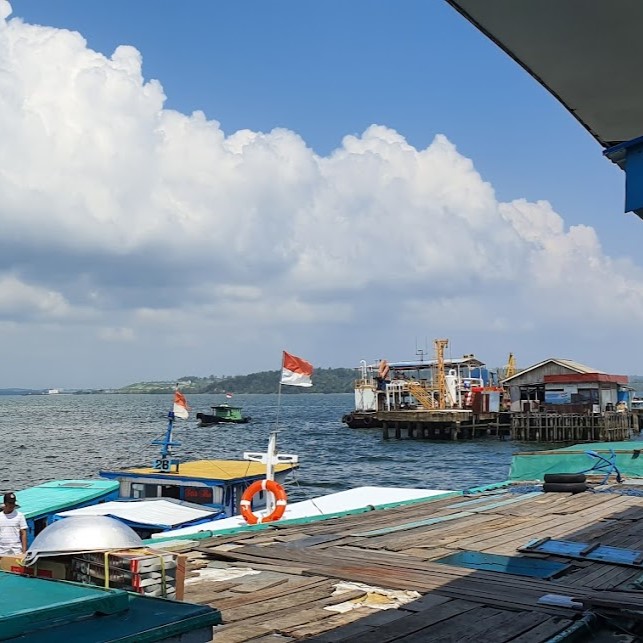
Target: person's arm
[[23, 533]]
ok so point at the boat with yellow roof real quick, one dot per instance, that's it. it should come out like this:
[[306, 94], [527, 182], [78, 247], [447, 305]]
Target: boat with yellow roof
[[216, 485]]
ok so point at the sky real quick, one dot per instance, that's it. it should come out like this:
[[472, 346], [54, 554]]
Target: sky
[[192, 188]]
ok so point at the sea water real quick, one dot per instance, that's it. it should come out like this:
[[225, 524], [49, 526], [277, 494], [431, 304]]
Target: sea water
[[48, 437]]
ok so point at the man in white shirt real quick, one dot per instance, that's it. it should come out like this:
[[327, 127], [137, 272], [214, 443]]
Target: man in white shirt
[[13, 528]]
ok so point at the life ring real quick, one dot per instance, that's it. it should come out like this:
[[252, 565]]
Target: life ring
[[263, 485]]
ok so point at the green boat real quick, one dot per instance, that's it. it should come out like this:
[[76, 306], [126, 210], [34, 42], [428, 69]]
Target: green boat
[[222, 414]]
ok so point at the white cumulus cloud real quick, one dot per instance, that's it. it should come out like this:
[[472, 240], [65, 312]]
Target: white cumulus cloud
[[153, 230]]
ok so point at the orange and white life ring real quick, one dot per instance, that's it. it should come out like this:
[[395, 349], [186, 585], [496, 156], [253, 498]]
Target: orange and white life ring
[[263, 485]]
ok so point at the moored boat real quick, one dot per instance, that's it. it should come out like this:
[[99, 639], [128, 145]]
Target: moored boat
[[222, 414], [463, 385], [200, 489], [168, 495], [40, 503]]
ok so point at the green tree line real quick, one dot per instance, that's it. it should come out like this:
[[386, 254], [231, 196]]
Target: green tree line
[[325, 380]]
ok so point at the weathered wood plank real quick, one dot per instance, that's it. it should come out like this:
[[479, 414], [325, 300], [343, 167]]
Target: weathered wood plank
[[543, 631], [484, 624], [408, 625], [336, 624]]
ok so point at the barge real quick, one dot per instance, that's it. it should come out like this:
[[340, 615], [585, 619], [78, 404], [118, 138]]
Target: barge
[[428, 398]]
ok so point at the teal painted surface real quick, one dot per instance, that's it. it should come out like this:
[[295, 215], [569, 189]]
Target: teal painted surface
[[27, 603], [574, 459], [58, 495], [530, 567], [42, 611]]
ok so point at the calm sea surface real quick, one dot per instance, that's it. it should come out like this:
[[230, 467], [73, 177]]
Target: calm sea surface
[[74, 436]]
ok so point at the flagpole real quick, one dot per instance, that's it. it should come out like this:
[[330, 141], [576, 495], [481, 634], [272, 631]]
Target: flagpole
[[278, 405]]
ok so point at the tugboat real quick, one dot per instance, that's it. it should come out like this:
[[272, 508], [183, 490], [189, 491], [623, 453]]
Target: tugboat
[[222, 414]]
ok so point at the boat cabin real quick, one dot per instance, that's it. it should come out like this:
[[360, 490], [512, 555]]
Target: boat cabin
[[227, 412], [222, 414], [217, 484]]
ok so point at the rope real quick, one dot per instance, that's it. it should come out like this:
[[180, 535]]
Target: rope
[[603, 464]]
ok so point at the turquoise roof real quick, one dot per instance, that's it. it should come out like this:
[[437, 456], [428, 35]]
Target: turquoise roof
[[58, 495], [41, 611]]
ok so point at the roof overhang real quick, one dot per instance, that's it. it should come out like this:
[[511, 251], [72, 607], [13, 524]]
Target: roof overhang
[[588, 54], [578, 378]]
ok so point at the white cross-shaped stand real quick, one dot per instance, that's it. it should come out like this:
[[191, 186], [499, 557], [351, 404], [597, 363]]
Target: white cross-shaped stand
[[270, 459]]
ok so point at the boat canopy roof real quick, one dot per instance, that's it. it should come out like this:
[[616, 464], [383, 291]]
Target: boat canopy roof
[[587, 53], [58, 495], [164, 513], [204, 471]]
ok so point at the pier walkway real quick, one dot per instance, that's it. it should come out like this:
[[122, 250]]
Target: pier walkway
[[327, 580]]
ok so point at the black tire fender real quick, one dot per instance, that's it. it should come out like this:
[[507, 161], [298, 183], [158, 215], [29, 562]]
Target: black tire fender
[[565, 477], [367, 420], [562, 487]]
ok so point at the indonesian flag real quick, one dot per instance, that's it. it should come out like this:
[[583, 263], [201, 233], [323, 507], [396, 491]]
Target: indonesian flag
[[296, 371], [180, 406]]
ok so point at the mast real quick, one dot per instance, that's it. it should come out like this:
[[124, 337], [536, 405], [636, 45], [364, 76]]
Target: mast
[[166, 463]]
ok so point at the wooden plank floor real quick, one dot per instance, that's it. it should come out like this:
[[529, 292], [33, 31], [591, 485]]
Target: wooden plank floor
[[281, 584]]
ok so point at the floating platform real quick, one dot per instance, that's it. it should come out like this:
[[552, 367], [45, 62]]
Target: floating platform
[[472, 567]]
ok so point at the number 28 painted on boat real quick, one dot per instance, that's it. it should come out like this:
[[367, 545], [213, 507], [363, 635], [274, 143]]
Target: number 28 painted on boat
[[263, 485]]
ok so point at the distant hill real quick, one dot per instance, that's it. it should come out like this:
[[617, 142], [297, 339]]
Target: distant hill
[[325, 380]]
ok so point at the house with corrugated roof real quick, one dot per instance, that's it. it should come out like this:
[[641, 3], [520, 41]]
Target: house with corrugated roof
[[566, 386]]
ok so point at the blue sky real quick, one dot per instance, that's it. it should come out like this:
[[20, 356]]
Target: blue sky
[[320, 72]]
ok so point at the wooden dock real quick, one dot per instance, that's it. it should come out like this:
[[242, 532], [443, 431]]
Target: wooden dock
[[449, 424], [526, 427], [328, 580], [572, 427]]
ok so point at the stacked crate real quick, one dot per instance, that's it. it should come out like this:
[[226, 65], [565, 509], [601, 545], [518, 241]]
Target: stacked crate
[[144, 571]]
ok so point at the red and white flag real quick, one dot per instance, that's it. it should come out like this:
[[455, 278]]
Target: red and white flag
[[180, 406], [296, 371], [228, 395]]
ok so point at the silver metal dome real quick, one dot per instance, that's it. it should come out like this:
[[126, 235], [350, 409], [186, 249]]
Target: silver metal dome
[[80, 534]]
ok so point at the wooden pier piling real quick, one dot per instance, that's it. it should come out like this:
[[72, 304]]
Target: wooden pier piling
[[525, 427]]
